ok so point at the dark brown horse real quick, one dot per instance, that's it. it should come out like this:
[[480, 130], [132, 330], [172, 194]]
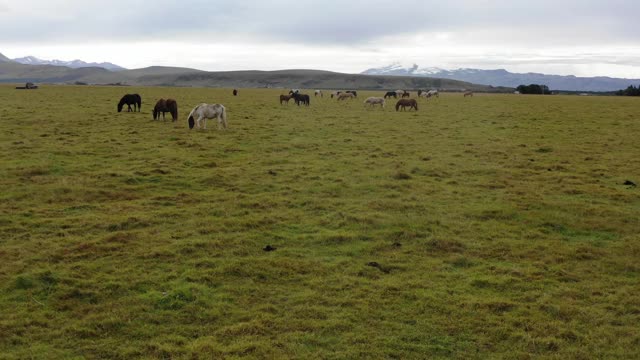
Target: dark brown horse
[[165, 106], [303, 99], [406, 94], [235, 92], [403, 103]]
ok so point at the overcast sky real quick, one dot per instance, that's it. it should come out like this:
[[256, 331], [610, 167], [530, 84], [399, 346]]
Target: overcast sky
[[584, 37]]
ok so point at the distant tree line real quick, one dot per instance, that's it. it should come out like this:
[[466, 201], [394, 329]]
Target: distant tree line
[[630, 91], [534, 89]]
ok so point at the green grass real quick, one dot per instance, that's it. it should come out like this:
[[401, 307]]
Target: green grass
[[491, 227]]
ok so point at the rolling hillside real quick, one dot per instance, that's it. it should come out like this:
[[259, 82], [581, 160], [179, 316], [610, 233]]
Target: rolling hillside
[[12, 72]]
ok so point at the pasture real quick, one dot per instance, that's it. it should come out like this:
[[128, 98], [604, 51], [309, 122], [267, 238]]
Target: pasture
[[496, 226]]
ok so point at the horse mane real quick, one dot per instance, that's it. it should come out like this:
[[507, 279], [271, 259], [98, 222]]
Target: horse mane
[[190, 117]]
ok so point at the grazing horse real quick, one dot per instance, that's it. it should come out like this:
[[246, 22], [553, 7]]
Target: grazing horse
[[390, 94], [285, 99], [468, 93], [166, 106], [346, 95], [208, 111], [336, 93], [235, 92], [434, 93], [318, 92], [403, 103], [373, 101], [130, 99], [406, 94], [301, 98], [294, 91], [355, 93], [400, 92]]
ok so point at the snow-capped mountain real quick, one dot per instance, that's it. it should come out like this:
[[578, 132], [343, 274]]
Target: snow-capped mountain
[[501, 77], [75, 64], [4, 58]]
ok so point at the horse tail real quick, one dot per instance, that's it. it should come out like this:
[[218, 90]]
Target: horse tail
[[224, 116], [398, 106]]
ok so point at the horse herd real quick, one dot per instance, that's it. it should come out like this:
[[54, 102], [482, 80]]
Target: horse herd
[[198, 116]]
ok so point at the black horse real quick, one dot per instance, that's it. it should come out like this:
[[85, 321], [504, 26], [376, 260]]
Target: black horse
[[235, 92], [390, 94], [302, 98], [130, 99]]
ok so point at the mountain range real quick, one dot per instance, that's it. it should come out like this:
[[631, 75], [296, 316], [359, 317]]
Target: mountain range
[[74, 64], [388, 77], [15, 72], [501, 77]]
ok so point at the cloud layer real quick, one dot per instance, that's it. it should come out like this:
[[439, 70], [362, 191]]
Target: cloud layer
[[575, 32]]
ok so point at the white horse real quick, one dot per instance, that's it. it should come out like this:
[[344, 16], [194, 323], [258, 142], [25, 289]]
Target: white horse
[[373, 101], [400, 92], [208, 111], [319, 92], [433, 93]]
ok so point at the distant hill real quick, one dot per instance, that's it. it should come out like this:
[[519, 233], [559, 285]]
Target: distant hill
[[502, 77], [172, 76], [74, 64]]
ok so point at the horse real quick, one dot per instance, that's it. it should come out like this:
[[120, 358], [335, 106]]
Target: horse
[[166, 106], [403, 103], [301, 98], [235, 92], [400, 92], [336, 93], [208, 111], [130, 99], [425, 94], [346, 95], [373, 101], [294, 91], [433, 93], [285, 99], [468, 93], [355, 93], [406, 94], [390, 94], [318, 92]]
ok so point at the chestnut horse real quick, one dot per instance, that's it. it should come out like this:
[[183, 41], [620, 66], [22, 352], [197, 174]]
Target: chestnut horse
[[284, 99]]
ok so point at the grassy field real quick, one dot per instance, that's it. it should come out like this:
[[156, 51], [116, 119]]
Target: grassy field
[[489, 227]]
